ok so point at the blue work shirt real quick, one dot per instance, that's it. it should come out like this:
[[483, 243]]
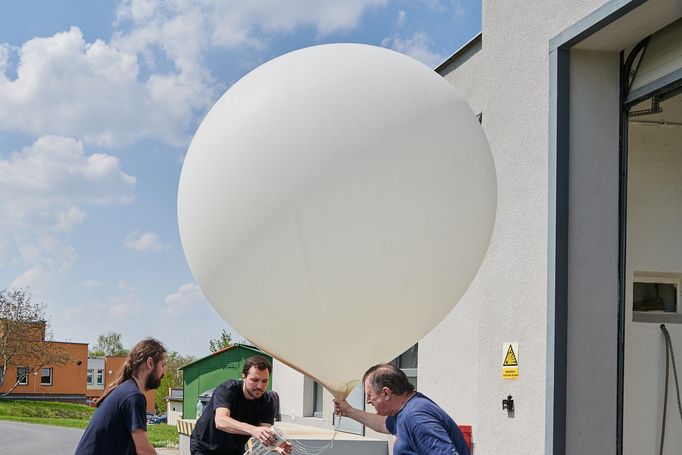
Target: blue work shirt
[[111, 426], [423, 428]]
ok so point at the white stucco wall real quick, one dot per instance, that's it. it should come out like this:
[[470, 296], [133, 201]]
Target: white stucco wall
[[460, 361], [296, 393], [654, 221], [290, 385]]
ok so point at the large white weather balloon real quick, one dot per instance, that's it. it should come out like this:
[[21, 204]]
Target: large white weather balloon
[[335, 204]]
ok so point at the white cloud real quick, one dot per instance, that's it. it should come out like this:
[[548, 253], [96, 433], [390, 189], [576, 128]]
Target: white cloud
[[144, 241], [43, 185], [50, 257], [89, 284], [116, 308], [402, 15], [418, 46], [151, 78], [232, 24], [43, 191], [27, 278], [187, 296], [458, 8], [69, 218], [93, 91]]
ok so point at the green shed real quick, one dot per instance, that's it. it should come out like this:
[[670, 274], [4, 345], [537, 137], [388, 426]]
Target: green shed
[[211, 371]]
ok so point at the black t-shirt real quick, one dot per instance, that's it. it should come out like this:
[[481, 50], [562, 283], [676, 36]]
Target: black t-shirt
[[206, 439], [110, 428]]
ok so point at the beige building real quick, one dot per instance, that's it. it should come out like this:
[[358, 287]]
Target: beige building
[[581, 104]]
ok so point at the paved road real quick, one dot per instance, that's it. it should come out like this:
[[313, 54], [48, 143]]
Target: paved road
[[19, 438], [27, 439]]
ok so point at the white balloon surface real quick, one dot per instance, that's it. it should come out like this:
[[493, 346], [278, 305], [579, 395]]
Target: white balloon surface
[[335, 204]]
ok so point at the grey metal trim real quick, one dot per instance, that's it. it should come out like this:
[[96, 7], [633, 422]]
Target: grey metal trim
[[462, 54], [667, 318], [660, 84], [593, 22], [557, 296], [622, 248], [559, 128]]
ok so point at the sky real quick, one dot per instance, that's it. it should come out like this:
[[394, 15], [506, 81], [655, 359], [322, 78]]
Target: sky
[[98, 103]]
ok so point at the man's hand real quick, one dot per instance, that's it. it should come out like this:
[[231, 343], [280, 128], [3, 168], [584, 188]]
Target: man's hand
[[374, 421], [264, 435], [341, 407], [285, 448]]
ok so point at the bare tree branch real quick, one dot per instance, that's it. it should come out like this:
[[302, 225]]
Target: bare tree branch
[[25, 338]]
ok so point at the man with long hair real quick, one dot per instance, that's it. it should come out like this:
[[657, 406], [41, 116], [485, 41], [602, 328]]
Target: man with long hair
[[420, 426], [119, 426], [238, 410]]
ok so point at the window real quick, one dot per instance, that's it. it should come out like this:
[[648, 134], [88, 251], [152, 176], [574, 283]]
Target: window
[[91, 375], [656, 297], [22, 375], [318, 396], [100, 377], [655, 293], [408, 362], [46, 376]]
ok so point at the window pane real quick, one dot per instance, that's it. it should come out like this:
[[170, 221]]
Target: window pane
[[318, 397], [46, 376], [91, 374], [100, 377], [654, 297], [22, 375], [409, 358]]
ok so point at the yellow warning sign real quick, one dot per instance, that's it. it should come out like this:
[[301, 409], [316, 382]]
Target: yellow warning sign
[[510, 362], [510, 358]]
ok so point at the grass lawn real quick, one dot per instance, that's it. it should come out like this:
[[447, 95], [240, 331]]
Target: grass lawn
[[74, 416]]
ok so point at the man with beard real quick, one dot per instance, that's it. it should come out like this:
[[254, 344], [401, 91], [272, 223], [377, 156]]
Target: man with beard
[[238, 410], [119, 426]]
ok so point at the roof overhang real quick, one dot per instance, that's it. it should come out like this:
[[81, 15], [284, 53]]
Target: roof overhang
[[618, 25]]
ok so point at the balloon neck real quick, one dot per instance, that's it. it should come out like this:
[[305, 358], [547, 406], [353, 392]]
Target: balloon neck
[[342, 391]]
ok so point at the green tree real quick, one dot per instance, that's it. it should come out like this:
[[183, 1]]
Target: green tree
[[223, 341], [25, 337], [172, 378], [108, 343]]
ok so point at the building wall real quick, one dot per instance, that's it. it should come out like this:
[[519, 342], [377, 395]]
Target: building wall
[[95, 389], [67, 379], [291, 385], [460, 361], [593, 253], [654, 220], [112, 367]]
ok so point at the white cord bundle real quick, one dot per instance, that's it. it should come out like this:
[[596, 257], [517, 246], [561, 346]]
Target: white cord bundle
[[255, 447], [304, 449]]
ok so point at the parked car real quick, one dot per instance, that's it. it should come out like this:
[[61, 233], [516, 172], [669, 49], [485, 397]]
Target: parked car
[[159, 419], [150, 416]]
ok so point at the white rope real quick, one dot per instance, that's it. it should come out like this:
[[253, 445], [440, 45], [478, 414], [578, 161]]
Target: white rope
[[306, 449], [255, 447]]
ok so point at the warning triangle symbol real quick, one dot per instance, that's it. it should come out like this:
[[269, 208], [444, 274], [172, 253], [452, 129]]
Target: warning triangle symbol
[[510, 358]]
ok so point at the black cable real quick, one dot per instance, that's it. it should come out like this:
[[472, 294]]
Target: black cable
[[669, 355]]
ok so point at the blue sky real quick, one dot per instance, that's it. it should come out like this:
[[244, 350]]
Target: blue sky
[[98, 103]]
